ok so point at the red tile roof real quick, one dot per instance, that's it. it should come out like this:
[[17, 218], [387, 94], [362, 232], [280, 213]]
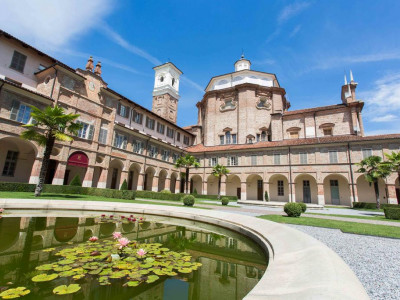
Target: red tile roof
[[293, 142]]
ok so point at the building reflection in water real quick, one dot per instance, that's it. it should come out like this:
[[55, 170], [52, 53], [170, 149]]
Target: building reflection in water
[[231, 264]]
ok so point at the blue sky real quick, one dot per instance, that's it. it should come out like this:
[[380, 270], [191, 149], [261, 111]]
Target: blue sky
[[309, 45]]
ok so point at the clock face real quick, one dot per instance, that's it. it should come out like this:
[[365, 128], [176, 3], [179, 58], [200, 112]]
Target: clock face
[[91, 86]]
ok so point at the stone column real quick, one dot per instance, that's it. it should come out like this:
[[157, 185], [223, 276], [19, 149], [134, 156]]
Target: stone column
[[392, 199], [223, 186], [140, 184], [321, 196], [124, 176], [177, 185], [167, 185], [102, 183], [60, 173], [266, 189], [243, 189], [34, 178], [354, 197], [154, 188], [292, 192], [87, 181]]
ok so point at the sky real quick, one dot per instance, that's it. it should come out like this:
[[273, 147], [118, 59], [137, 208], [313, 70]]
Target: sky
[[309, 45]]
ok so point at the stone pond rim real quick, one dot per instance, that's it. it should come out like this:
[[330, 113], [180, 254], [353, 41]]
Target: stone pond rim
[[299, 267]]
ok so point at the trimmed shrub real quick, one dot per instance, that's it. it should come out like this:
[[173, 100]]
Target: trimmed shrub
[[17, 187], [292, 209], [215, 197], [392, 213], [303, 206], [368, 205], [266, 196], [224, 201], [166, 191], [188, 200], [76, 181], [158, 196], [124, 186]]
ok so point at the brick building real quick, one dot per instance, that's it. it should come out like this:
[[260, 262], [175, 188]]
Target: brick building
[[244, 122]]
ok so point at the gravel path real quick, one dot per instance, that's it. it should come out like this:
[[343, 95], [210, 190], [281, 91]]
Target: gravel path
[[375, 260]]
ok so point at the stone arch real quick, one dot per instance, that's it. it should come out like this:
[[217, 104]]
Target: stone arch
[[37, 242], [77, 164], [233, 185], [306, 188], [173, 181], [254, 187], [106, 229], [148, 178], [162, 177], [196, 183], [133, 176], [114, 173], [17, 157], [212, 185], [337, 190], [366, 193], [87, 234], [65, 229], [279, 188]]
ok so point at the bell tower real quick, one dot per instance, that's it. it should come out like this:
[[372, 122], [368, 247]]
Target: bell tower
[[166, 91]]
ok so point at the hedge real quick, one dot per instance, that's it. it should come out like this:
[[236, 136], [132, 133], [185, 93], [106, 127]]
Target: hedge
[[17, 187], [231, 198], [158, 195], [368, 205], [392, 213]]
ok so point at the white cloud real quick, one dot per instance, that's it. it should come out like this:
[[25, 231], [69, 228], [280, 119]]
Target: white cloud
[[382, 131], [295, 31], [292, 10], [386, 118], [51, 24]]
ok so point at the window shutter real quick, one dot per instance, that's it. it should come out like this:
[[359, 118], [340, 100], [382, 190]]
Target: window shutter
[[119, 108], [127, 112], [14, 109], [91, 131]]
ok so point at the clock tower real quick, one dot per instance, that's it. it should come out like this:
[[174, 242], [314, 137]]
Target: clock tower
[[166, 91]]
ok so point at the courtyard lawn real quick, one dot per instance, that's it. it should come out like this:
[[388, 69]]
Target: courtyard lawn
[[52, 196], [372, 217], [348, 227]]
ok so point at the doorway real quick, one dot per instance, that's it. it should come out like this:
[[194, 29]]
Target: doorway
[[335, 199], [114, 178], [306, 191], [238, 192], [51, 171], [259, 190]]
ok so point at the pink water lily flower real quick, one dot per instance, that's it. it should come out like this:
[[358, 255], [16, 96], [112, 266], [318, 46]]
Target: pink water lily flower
[[123, 242], [93, 239], [141, 252], [1, 210], [117, 235]]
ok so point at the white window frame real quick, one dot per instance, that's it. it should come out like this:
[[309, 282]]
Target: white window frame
[[87, 130], [138, 146], [18, 112], [137, 117], [150, 123], [213, 161], [103, 134], [120, 141], [165, 155], [333, 156], [233, 160], [160, 128], [152, 151]]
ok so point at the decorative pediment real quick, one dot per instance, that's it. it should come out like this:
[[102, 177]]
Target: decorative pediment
[[293, 129], [327, 125], [250, 136], [264, 128], [226, 129]]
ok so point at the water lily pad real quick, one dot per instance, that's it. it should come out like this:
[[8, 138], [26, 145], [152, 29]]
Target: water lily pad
[[66, 289], [46, 267], [132, 283], [66, 262], [152, 278], [78, 276], [15, 293], [49, 249], [184, 270], [44, 277], [62, 268]]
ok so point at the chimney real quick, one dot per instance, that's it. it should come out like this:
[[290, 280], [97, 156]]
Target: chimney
[[89, 65], [97, 70]]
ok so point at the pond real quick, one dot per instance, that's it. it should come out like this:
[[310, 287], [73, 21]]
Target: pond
[[215, 263]]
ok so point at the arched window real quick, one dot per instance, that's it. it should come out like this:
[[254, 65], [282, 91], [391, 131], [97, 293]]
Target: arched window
[[173, 81], [228, 137]]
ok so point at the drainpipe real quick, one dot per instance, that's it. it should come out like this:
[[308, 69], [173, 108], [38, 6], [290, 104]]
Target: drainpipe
[[290, 177], [351, 173]]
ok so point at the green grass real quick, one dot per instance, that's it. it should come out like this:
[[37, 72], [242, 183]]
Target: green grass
[[52, 196], [344, 226], [375, 218]]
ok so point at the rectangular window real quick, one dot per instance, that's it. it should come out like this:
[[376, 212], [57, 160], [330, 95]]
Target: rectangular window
[[103, 135], [165, 155], [174, 157], [150, 123], [86, 132], [152, 151], [234, 138], [120, 141], [170, 132], [277, 159], [20, 112], [160, 128], [213, 161], [253, 160], [18, 62], [232, 160], [178, 136], [123, 110], [328, 131], [186, 140], [221, 139], [137, 117], [138, 147], [303, 158], [10, 163], [228, 138], [281, 189], [294, 135], [258, 137], [366, 153], [333, 157]]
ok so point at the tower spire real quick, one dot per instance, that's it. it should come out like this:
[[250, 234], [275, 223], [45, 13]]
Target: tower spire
[[345, 79], [351, 76]]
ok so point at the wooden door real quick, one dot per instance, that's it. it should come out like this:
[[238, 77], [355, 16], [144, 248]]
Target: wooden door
[[335, 199], [306, 191], [259, 190]]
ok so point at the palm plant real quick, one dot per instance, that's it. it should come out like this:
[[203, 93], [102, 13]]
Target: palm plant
[[373, 170], [219, 171], [393, 162], [49, 125], [187, 162]]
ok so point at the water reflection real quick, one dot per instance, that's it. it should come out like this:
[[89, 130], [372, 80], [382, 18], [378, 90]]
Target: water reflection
[[231, 264]]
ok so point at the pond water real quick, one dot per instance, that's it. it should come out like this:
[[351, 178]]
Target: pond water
[[231, 264]]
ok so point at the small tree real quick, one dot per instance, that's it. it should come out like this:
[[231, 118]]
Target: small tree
[[76, 181], [373, 170], [266, 196], [50, 124], [187, 162], [393, 163], [219, 171], [124, 186]]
